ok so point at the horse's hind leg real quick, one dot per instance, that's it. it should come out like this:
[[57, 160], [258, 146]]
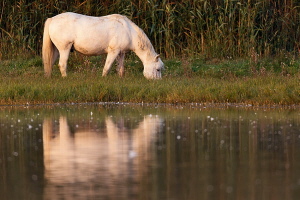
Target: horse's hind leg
[[120, 60], [63, 58], [55, 56], [111, 56]]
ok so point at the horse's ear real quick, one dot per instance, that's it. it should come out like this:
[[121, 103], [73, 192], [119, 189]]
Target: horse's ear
[[156, 58]]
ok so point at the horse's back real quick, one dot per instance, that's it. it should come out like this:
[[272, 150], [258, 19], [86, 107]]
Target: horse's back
[[91, 35], [74, 19]]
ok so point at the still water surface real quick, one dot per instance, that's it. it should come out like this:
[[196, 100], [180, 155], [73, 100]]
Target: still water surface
[[147, 152]]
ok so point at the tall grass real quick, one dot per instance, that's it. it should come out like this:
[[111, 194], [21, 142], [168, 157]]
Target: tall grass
[[206, 28]]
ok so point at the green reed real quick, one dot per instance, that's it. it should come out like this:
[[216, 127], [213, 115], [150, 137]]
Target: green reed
[[206, 28]]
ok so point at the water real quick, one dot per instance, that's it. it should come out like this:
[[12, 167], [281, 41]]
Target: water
[[147, 152]]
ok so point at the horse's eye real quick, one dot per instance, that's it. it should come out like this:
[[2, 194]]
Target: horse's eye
[[158, 70]]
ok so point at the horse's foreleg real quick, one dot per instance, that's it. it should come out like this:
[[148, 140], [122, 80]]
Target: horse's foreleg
[[63, 58], [120, 60], [111, 56]]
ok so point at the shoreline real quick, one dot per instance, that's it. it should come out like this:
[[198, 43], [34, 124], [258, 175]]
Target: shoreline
[[156, 105]]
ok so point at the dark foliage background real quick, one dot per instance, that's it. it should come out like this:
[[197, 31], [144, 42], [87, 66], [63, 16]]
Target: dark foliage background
[[206, 28]]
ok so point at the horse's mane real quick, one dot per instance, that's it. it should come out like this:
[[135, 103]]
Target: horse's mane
[[144, 43]]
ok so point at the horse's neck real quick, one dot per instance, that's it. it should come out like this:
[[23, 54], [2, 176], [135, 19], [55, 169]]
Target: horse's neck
[[143, 47], [146, 56]]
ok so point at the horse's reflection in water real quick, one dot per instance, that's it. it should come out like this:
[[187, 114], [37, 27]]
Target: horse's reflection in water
[[87, 164]]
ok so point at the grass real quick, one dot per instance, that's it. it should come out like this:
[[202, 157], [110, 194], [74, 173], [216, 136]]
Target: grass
[[269, 82]]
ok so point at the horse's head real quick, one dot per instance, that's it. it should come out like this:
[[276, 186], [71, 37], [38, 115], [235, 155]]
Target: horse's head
[[152, 69]]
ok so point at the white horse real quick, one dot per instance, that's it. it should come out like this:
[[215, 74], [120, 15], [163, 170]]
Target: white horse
[[113, 34]]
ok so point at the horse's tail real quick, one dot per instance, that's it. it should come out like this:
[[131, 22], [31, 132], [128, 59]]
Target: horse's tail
[[48, 50]]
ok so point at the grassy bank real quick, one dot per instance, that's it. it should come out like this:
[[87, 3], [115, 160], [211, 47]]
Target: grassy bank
[[266, 82]]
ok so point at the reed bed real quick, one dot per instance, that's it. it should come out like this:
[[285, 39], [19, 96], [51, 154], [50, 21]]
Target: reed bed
[[206, 28]]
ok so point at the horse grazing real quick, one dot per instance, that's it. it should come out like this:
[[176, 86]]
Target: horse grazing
[[112, 34]]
